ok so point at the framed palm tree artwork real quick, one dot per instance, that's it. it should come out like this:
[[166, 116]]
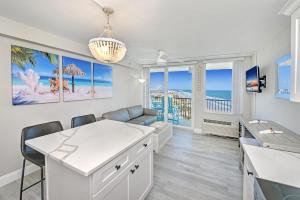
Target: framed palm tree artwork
[[77, 79], [35, 76]]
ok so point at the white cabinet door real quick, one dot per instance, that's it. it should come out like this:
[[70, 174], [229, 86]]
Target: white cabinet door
[[248, 184], [140, 180], [118, 189]]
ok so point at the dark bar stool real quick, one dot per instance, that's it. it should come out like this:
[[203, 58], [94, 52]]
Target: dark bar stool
[[34, 156], [82, 120]]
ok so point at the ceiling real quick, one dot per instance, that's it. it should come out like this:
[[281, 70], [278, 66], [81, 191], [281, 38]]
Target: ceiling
[[183, 29]]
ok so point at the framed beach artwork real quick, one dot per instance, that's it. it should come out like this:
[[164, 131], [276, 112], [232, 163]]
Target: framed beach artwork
[[102, 81], [35, 76], [77, 79]]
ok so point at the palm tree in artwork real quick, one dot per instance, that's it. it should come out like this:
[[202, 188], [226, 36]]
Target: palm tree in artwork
[[21, 56], [73, 70]]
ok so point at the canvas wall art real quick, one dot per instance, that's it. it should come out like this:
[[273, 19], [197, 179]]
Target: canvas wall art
[[77, 79], [102, 81], [35, 76]]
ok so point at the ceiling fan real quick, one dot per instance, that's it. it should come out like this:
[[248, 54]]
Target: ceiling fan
[[163, 59]]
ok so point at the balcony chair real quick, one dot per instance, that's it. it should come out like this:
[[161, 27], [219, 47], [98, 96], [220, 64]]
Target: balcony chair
[[33, 156], [82, 120], [158, 105], [173, 111]]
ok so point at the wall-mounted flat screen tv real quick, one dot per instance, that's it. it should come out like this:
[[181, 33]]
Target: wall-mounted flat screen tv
[[252, 80]]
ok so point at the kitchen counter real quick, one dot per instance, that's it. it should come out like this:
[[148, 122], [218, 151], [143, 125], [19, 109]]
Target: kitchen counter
[[88, 148]]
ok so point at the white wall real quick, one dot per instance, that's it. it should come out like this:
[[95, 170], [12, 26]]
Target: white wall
[[265, 105], [126, 92]]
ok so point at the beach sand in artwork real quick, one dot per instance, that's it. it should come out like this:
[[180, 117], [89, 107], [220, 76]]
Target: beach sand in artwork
[[22, 95], [81, 93], [102, 92]]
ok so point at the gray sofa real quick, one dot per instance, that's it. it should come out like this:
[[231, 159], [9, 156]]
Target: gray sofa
[[134, 115]]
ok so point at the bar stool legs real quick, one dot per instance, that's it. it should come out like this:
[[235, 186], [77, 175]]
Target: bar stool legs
[[22, 179], [41, 181]]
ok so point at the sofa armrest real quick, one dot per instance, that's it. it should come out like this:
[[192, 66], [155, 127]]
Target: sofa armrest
[[148, 111]]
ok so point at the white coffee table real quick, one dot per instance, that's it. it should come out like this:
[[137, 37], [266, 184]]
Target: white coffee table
[[163, 132]]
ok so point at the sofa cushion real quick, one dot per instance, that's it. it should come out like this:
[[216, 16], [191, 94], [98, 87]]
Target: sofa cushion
[[135, 111], [118, 115], [145, 120], [148, 111]]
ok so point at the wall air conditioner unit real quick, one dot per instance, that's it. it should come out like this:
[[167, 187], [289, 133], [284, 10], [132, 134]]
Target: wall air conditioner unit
[[220, 128]]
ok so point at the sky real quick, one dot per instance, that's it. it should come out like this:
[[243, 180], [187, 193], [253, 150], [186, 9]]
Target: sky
[[85, 66], [102, 72], [156, 80], [43, 66], [219, 79], [182, 80], [284, 71]]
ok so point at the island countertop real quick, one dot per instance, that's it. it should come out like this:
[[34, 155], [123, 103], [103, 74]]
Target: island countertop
[[87, 148]]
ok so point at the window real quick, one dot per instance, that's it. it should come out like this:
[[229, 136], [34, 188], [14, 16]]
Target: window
[[218, 87], [284, 77]]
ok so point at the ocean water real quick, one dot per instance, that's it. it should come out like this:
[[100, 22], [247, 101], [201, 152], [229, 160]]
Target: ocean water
[[44, 80], [219, 94]]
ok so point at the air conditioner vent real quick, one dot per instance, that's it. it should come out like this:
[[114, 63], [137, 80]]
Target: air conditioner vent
[[210, 121]]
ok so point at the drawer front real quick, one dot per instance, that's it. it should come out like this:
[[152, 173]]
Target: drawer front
[[141, 147], [110, 171]]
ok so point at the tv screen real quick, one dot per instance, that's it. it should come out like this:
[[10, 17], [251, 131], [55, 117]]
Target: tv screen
[[252, 80]]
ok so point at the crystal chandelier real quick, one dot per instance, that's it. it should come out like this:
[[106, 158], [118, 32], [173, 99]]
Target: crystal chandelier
[[105, 48]]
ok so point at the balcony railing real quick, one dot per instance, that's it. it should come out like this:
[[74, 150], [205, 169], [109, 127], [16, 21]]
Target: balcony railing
[[218, 105], [184, 105], [181, 107]]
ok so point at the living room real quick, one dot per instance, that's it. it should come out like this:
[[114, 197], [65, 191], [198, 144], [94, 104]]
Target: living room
[[149, 99]]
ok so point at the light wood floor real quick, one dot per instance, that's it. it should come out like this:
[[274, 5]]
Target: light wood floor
[[189, 167], [197, 167]]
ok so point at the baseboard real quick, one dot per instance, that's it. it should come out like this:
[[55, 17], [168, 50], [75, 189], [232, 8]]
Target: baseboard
[[183, 127], [15, 175], [198, 131]]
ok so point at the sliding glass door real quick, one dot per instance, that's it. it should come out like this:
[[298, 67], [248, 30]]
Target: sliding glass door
[[171, 94], [180, 96]]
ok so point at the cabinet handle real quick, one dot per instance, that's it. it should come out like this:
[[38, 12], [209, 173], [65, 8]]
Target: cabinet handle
[[118, 167], [145, 145], [136, 166], [249, 173], [132, 171]]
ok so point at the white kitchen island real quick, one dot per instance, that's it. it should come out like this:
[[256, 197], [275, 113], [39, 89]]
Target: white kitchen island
[[106, 160]]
